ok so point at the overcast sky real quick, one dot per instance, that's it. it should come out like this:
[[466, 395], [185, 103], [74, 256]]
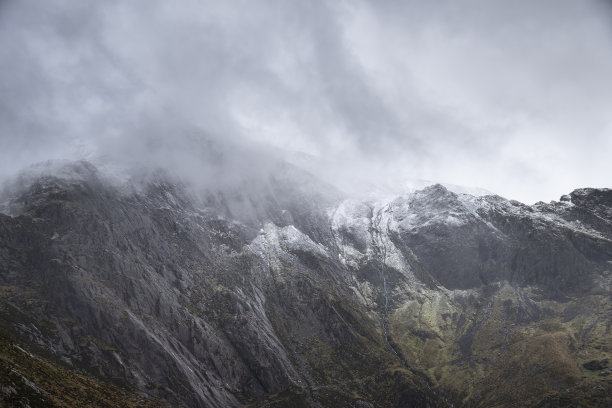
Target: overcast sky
[[511, 96]]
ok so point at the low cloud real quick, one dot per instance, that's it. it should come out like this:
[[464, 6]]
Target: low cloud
[[509, 96]]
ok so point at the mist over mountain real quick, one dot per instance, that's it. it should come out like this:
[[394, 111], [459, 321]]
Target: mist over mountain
[[506, 97], [287, 292], [324, 204]]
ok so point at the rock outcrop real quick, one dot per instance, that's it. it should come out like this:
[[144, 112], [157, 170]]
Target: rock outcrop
[[286, 293]]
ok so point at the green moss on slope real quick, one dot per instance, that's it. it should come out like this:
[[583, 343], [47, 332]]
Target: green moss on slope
[[27, 379]]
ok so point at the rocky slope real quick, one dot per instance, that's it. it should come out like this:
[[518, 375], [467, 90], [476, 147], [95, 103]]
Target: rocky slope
[[285, 293]]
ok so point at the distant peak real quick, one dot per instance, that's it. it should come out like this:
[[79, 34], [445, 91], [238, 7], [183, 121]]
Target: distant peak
[[590, 196], [438, 190]]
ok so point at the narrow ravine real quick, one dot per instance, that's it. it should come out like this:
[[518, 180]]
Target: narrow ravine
[[380, 254], [339, 245]]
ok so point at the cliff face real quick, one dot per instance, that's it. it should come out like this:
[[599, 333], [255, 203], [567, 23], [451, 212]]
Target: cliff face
[[287, 294]]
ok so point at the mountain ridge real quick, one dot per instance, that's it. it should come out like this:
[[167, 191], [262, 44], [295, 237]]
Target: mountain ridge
[[288, 291]]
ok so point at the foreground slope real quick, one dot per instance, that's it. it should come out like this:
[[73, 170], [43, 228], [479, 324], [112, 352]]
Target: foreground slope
[[285, 293]]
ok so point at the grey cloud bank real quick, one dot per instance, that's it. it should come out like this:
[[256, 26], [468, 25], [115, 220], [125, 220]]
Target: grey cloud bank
[[511, 96]]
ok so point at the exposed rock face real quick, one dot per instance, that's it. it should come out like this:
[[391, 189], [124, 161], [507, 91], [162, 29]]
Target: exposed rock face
[[288, 294]]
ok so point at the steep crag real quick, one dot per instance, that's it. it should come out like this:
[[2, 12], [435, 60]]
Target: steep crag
[[287, 293]]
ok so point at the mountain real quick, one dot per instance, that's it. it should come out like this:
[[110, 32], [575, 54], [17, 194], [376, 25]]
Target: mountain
[[283, 292]]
